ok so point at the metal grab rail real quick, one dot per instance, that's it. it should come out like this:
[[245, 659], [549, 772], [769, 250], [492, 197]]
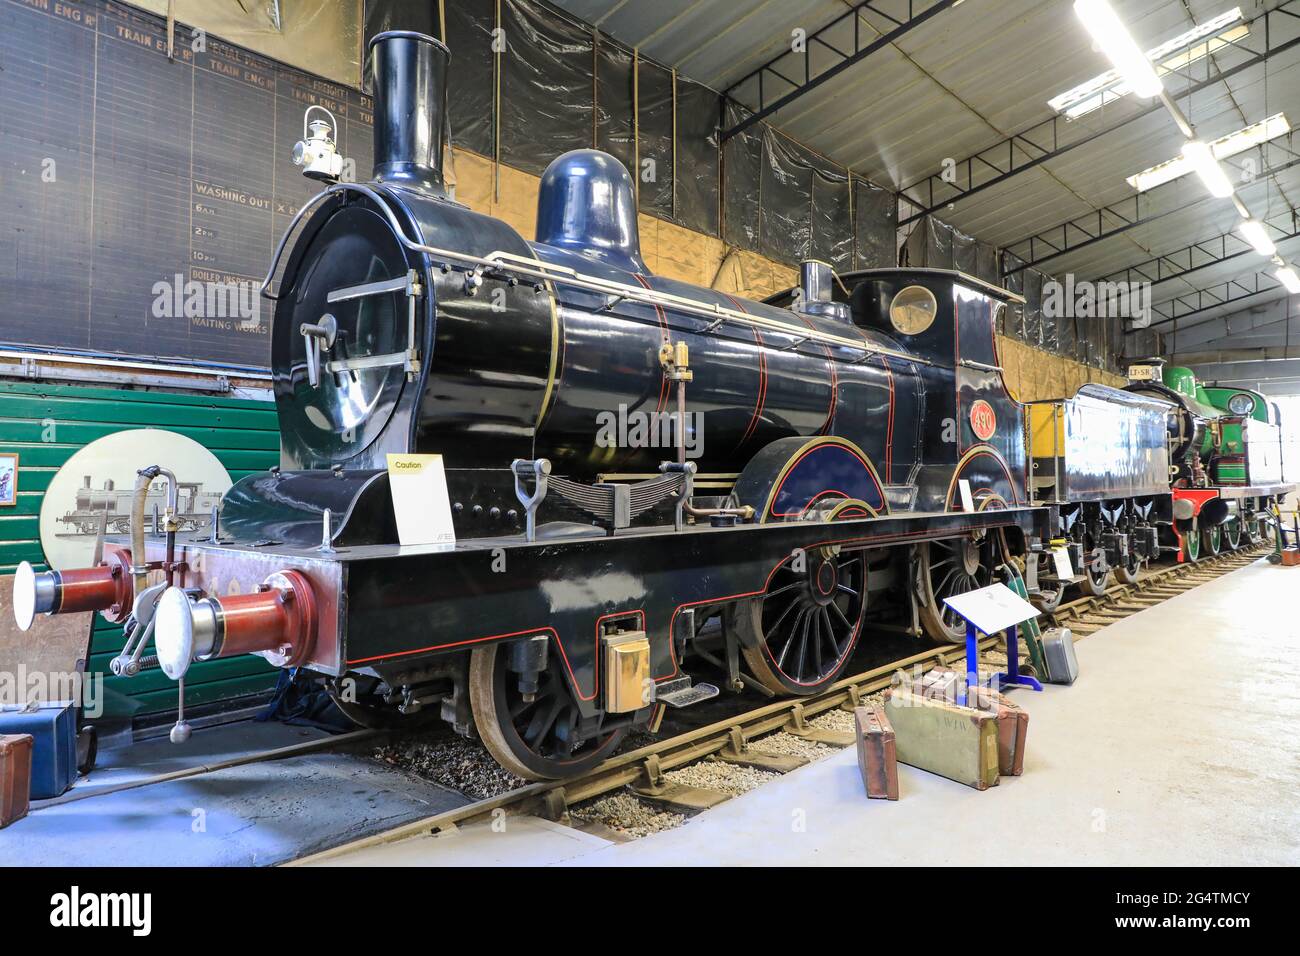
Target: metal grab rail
[[544, 273]]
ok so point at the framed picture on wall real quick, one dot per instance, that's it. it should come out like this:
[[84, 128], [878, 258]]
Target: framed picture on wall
[[8, 479]]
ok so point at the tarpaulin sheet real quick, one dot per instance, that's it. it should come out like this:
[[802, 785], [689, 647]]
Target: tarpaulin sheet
[[786, 214], [1033, 306], [875, 211], [469, 78], [1014, 323], [832, 220], [614, 125], [546, 86], [742, 161], [697, 157], [1047, 336], [986, 263], [655, 139], [1067, 337], [963, 252], [929, 246]]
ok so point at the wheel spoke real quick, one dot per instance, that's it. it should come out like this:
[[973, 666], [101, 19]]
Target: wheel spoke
[[817, 645], [843, 617], [767, 635], [794, 630], [803, 646]]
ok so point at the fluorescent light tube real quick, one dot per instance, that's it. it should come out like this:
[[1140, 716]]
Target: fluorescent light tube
[[1286, 275], [1201, 155], [1224, 147], [1172, 55], [1254, 232], [1115, 41]]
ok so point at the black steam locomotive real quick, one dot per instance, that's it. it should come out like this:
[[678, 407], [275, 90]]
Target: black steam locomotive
[[627, 458]]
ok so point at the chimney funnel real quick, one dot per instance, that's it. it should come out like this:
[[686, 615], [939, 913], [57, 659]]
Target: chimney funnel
[[408, 79]]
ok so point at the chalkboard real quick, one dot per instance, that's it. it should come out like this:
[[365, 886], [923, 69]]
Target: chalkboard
[[140, 198]]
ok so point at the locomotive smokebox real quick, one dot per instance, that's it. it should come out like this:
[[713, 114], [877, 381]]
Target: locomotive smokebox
[[408, 79]]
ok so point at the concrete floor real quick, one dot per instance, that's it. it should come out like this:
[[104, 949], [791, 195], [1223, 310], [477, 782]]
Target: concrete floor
[[1178, 745], [258, 814]]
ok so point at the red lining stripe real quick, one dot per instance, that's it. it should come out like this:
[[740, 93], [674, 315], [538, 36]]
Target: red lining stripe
[[663, 330]]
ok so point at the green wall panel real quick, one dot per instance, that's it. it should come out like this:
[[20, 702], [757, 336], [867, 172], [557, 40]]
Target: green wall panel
[[242, 433]]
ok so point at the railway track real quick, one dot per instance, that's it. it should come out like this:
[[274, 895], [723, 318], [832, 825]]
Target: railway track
[[1090, 614], [644, 772]]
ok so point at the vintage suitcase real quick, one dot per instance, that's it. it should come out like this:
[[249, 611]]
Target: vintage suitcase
[[1058, 653], [1013, 729], [15, 777], [1013, 720], [877, 754], [960, 743], [53, 727]]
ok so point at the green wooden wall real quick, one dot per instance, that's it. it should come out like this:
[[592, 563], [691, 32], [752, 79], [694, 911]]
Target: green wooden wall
[[244, 436]]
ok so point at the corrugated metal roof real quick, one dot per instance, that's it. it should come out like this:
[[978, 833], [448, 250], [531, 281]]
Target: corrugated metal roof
[[976, 74]]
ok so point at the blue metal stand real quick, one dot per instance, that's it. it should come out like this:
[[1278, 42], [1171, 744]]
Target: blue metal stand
[[1011, 676]]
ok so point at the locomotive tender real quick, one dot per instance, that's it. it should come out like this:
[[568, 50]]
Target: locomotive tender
[[848, 438]]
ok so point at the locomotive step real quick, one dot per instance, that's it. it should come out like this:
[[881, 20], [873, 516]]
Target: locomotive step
[[678, 692]]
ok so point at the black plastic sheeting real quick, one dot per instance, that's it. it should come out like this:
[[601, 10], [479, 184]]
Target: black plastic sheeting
[[934, 244], [742, 163], [875, 214], [697, 157], [788, 203], [469, 103], [547, 92], [615, 131], [655, 139], [785, 190]]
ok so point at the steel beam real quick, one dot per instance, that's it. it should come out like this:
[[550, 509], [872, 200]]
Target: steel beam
[[1118, 218], [1043, 142], [860, 52], [1204, 300], [1205, 253]]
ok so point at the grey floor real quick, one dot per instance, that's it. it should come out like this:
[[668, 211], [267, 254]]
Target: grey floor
[[259, 814], [1178, 745]]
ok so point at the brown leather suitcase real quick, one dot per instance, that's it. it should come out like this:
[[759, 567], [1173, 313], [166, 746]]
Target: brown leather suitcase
[[1013, 728], [877, 757], [15, 777], [1013, 720]]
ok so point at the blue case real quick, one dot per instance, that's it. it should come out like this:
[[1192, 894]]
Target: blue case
[[53, 727]]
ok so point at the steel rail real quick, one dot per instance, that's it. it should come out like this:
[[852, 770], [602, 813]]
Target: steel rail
[[552, 798]]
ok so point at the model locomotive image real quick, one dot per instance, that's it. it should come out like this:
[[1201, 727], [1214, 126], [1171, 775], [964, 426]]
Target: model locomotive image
[[111, 507], [854, 445]]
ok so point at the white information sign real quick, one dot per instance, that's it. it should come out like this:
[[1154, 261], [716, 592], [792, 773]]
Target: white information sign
[[420, 502], [967, 500], [1061, 560], [992, 609]]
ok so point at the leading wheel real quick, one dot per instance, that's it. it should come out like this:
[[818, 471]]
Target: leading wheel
[[1191, 541], [945, 569], [1211, 540], [798, 636], [537, 739]]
